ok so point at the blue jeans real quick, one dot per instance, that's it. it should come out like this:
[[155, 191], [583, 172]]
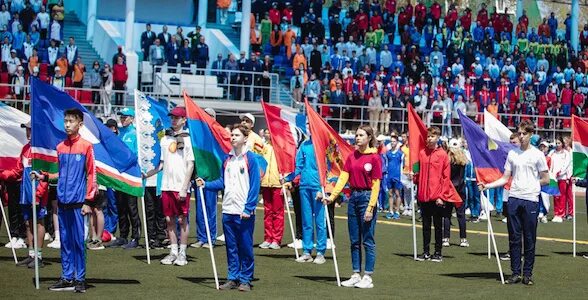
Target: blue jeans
[[447, 127], [473, 198], [210, 202], [522, 221], [361, 232], [566, 109], [496, 198], [239, 244], [313, 211]]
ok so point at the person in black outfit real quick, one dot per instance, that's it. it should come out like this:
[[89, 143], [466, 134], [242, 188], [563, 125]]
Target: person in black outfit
[[147, 39], [457, 162], [265, 81]]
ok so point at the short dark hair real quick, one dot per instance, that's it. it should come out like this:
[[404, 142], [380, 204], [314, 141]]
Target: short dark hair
[[527, 126], [244, 130], [76, 112], [434, 130]]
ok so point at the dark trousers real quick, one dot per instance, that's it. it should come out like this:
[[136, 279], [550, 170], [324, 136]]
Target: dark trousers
[[119, 87], [154, 214], [16, 221], [296, 202], [433, 214], [331, 208], [461, 220], [49, 228], [96, 95], [522, 224], [128, 215]]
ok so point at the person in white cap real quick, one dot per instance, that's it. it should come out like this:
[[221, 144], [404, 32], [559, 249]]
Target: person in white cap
[[254, 141], [12, 63], [58, 81], [18, 83]]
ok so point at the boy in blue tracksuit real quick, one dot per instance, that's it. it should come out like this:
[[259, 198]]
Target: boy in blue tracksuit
[[395, 159], [240, 179], [472, 192], [76, 187], [312, 209]]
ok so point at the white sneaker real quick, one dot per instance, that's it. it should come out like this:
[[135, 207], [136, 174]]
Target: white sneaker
[[468, 212], [198, 244], [329, 244], [10, 243], [351, 282], [365, 283], [264, 245], [483, 216], [169, 259], [505, 220], [557, 220], [544, 219], [446, 242], [297, 243], [464, 243], [274, 246], [221, 238], [181, 260], [304, 258], [56, 244], [47, 237], [319, 259]]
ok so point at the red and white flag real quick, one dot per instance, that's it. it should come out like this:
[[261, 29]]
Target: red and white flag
[[287, 133], [13, 137]]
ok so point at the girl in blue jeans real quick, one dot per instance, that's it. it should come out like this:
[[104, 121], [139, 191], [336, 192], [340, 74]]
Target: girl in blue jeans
[[363, 171]]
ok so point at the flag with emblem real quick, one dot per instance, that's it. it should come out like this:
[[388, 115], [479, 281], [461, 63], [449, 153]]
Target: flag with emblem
[[579, 147], [116, 165]]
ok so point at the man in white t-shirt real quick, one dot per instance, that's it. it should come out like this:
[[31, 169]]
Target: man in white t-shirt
[[528, 168], [177, 164]]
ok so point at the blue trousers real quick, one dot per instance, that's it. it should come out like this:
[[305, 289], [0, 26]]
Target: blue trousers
[[313, 210], [522, 222], [110, 212], [361, 232], [496, 198], [210, 201], [473, 198], [239, 244], [73, 246]]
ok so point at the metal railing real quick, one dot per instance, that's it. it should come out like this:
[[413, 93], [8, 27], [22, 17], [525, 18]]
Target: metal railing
[[216, 84]]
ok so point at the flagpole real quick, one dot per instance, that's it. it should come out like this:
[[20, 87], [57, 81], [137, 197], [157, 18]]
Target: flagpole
[[206, 225], [8, 231], [332, 239], [574, 218], [488, 221], [143, 197], [35, 234], [290, 220], [413, 200], [491, 232]]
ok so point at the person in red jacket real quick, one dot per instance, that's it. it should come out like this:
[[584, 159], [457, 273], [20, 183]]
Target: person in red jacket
[[451, 18], [20, 173], [466, 20], [436, 13], [362, 21], [119, 77], [434, 193], [409, 9], [390, 7], [403, 20], [420, 15], [483, 16], [566, 98]]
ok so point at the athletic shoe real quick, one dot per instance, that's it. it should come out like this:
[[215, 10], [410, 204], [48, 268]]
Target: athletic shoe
[[304, 258], [319, 259], [31, 265], [229, 285], [389, 215], [407, 212], [62, 285], [169, 259], [80, 287], [544, 219], [437, 257], [297, 243], [514, 279], [468, 212], [483, 217], [527, 280], [18, 243], [365, 282], [181, 260], [264, 245], [25, 262], [557, 219], [274, 246], [117, 243], [475, 219], [9, 244], [423, 257], [505, 256], [155, 244], [95, 245], [351, 282], [245, 287], [464, 243], [505, 220], [445, 242], [569, 217], [47, 237], [329, 244], [585, 256], [131, 244], [207, 246], [198, 244], [221, 238], [56, 244], [395, 216]]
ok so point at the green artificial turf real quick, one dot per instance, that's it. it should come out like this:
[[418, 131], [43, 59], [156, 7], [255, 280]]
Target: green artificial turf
[[464, 273]]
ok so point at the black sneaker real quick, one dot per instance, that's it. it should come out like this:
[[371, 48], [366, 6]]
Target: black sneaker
[[527, 280], [117, 243], [31, 265], [80, 287], [505, 256], [229, 285], [25, 262], [155, 244], [437, 257], [245, 287], [62, 285], [514, 279], [423, 257]]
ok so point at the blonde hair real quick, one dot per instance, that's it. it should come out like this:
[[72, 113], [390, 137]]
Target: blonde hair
[[457, 156]]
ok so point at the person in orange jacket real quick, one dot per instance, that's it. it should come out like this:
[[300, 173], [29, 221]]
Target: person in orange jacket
[[289, 39]]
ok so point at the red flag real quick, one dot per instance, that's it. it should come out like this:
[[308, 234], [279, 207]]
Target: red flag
[[285, 136], [417, 141], [327, 144]]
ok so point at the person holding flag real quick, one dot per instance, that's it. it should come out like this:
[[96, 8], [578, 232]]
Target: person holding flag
[[528, 168], [177, 164], [363, 171], [76, 188], [20, 173], [273, 204], [240, 181]]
